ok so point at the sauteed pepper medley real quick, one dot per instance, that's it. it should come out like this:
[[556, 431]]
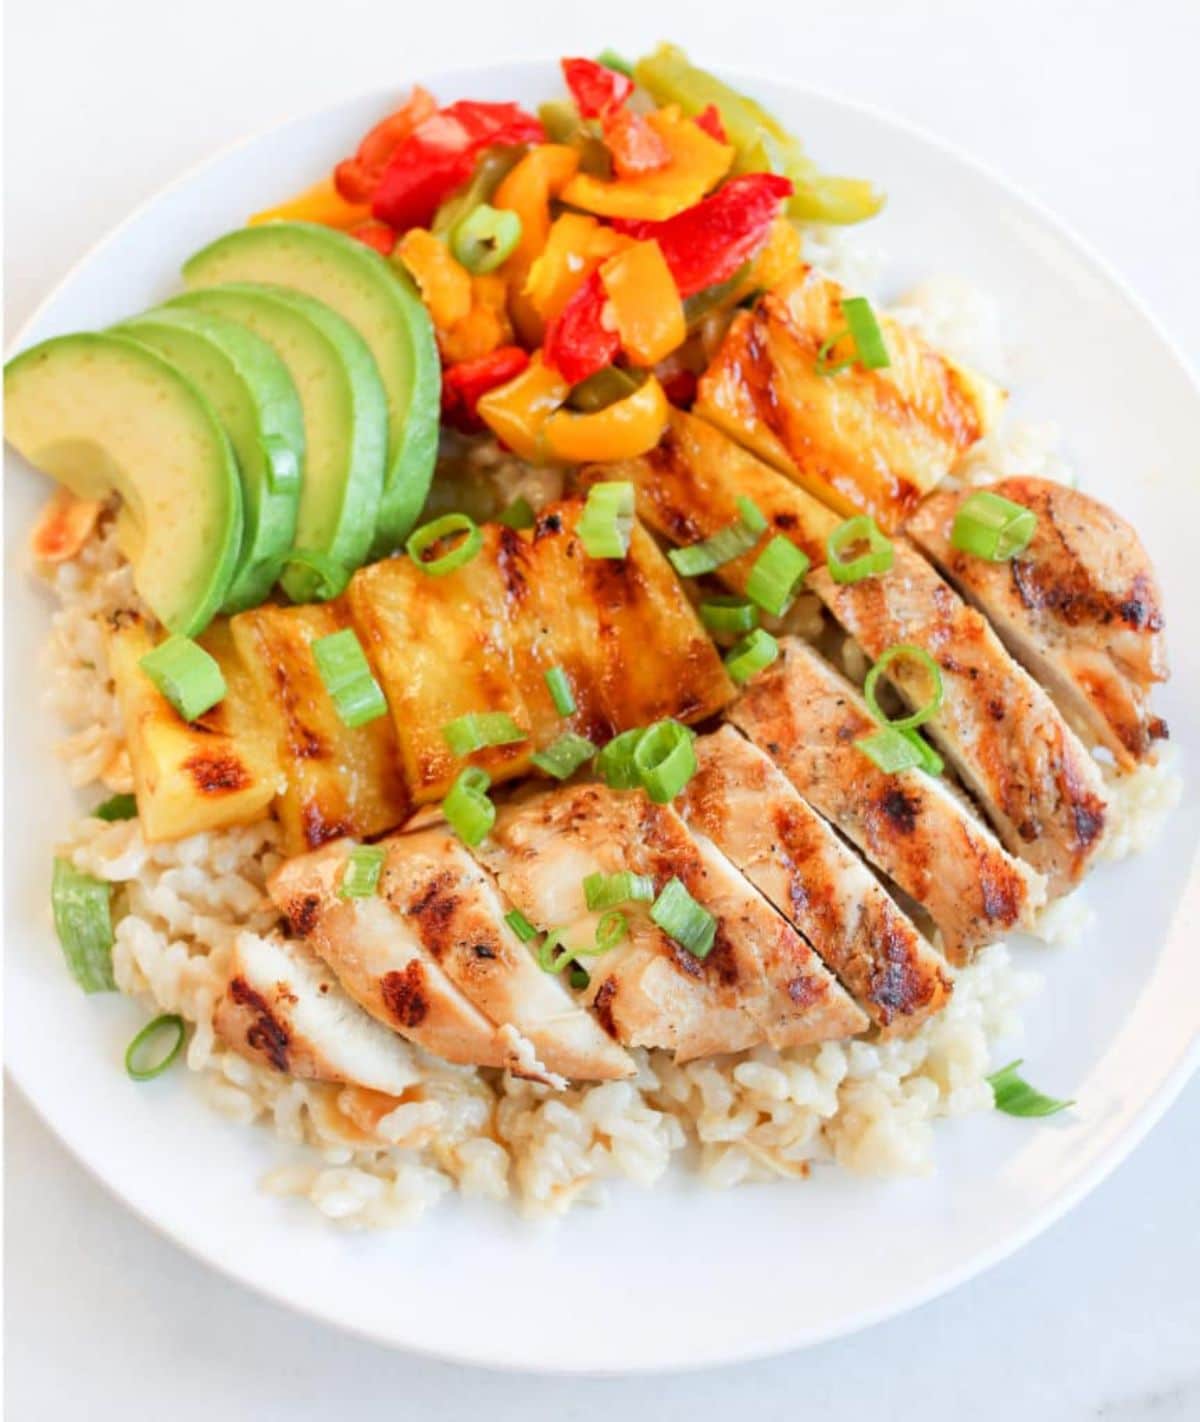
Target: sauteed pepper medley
[[576, 263]]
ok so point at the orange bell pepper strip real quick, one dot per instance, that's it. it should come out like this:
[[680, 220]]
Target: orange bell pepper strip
[[574, 248], [485, 326], [697, 163], [646, 303], [445, 285], [634, 145], [622, 430], [518, 411], [322, 203], [526, 190]]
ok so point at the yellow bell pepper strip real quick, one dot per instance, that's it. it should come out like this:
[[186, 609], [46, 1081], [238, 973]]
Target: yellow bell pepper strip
[[575, 247], [622, 430], [526, 190], [322, 203], [697, 163], [762, 143], [517, 412], [646, 303], [445, 286], [485, 326], [778, 259]]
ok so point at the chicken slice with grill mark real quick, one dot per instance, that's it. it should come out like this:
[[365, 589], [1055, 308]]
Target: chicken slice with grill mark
[[909, 825], [1035, 781], [754, 814], [283, 1008], [760, 981], [1080, 606]]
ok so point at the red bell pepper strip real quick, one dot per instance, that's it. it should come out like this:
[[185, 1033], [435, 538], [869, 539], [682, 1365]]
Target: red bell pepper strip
[[357, 178], [707, 243], [710, 121], [577, 343], [464, 384], [596, 89], [680, 388], [377, 235], [440, 153]]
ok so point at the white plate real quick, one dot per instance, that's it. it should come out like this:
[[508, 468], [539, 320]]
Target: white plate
[[680, 1276]]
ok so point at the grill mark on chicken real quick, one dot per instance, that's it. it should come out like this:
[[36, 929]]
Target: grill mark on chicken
[[404, 994], [901, 809], [267, 1035], [301, 914], [602, 1006], [318, 828], [433, 911]]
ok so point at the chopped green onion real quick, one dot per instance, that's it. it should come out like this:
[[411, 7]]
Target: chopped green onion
[[614, 764], [479, 729], [825, 365], [905, 650], [665, 760], [346, 676], [731, 615], [326, 577], [135, 1053], [992, 527], [560, 691], [680, 917], [863, 329], [751, 655], [751, 515], [485, 238], [520, 925], [466, 806], [424, 538], [186, 675], [360, 878], [860, 529], [579, 978], [605, 891], [776, 576], [724, 546], [606, 524], [1015, 1097], [83, 921], [563, 757], [554, 943], [116, 807], [612, 929], [519, 514], [893, 751], [612, 60]]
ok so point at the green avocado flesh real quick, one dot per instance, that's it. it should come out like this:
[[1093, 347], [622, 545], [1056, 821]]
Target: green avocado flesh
[[252, 393], [378, 300], [345, 417], [102, 413]]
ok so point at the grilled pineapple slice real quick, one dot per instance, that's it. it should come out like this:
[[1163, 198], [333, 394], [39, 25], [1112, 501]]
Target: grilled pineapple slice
[[217, 771], [873, 441], [339, 780]]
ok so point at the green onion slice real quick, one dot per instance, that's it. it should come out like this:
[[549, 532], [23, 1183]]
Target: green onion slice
[[612, 60], [520, 925], [907, 652], [612, 929], [329, 576], [605, 891], [825, 364], [168, 1031], [680, 917], [360, 877], [893, 750], [863, 329], [876, 559], [560, 691], [728, 615], [186, 675], [553, 954], [83, 921], [485, 238], [579, 978], [751, 655], [563, 757], [992, 527], [519, 514], [116, 807], [346, 675], [724, 546], [421, 540], [466, 806], [776, 576], [1015, 1097], [614, 764], [665, 760], [606, 524], [480, 729], [751, 515]]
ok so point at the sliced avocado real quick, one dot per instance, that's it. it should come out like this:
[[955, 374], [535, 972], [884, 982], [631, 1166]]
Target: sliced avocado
[[380, 302], [102, 413], [345, 418], [250, 389]]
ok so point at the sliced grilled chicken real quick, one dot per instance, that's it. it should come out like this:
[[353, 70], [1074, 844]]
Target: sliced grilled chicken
[[283, 1008], [1039, 786], [910, 825], [754, 814], [871, 440], [759, 982], [1080, 607]]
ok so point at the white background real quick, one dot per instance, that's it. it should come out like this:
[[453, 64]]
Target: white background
[[1092, 107]]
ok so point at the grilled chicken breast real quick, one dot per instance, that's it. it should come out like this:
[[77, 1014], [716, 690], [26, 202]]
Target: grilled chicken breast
[[910, 825], [1080, 607], [860, 440], [1035, 781], [754, 814], [760, 981], [283, 1008]]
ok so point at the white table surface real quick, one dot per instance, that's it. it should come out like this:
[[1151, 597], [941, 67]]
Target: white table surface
[[1094, 108]]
